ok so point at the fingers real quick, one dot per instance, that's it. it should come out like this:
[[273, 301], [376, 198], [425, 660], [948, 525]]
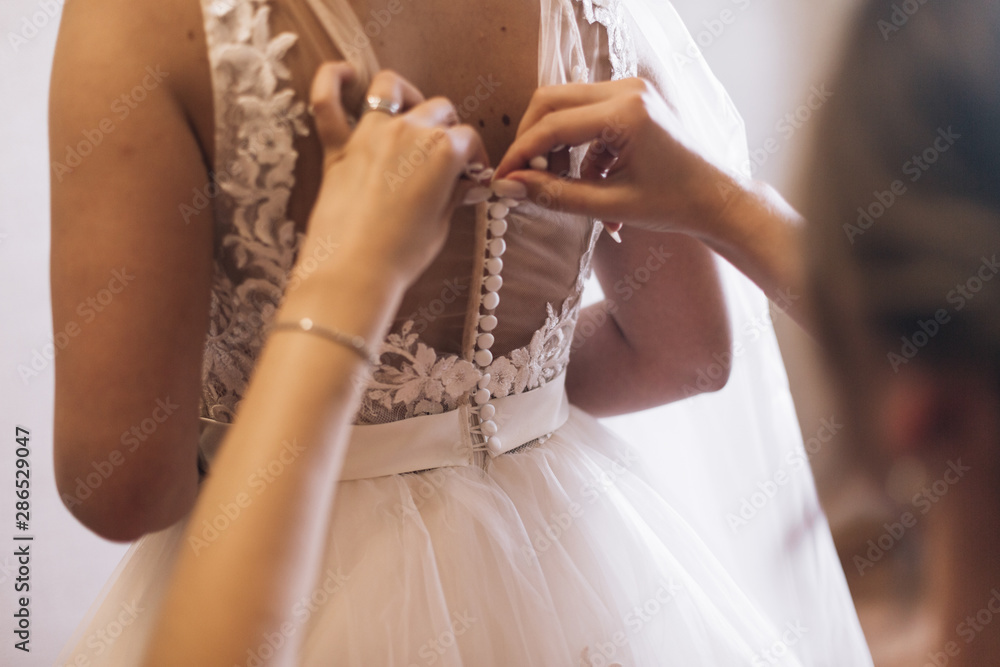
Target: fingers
[[556, 98], [392, 88], [452, 149], [325, 105], [594, 198], [435, 112], [468, 145], [598, 160], [467, 148], [569, 127]]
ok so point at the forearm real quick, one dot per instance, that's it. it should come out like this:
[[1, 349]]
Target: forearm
[[231, 587], [758, 232]]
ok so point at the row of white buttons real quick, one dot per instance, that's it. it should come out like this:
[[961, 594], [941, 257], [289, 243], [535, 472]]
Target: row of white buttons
[[495, 247]]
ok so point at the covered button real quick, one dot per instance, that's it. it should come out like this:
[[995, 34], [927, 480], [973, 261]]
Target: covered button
[[494, 445], [484, 358], [491, 300]]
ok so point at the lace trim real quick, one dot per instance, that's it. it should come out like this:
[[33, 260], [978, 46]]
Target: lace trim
[[257, 120], [621, 48], [547, 355]]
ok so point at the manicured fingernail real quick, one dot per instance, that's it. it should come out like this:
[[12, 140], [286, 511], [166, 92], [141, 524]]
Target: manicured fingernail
[[556, 149], [612, 229], [540, 163], [507, 188], [477, 194]]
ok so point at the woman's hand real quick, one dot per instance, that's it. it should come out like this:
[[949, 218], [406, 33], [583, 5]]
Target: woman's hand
[[389, 185], [640, 168]]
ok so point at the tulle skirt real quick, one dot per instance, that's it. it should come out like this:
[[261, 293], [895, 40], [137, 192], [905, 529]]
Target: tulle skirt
[[557, 554]]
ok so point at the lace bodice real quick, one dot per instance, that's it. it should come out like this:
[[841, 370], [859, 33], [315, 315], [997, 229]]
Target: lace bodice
[[545, 256]]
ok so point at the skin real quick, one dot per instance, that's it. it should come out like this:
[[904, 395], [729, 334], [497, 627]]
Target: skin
[[653, 179], [676, 324], [309, 388]]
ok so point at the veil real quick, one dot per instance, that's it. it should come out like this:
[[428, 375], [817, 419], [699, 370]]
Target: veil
[[734, 462]]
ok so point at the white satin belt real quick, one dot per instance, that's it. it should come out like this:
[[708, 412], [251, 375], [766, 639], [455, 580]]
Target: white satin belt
[[436, 441]]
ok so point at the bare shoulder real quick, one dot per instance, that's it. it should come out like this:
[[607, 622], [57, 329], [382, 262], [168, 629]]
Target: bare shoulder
[[122, 50], [129, 117]]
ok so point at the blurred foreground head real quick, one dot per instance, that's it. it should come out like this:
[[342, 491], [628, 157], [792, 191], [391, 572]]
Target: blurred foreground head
[[904, 238]]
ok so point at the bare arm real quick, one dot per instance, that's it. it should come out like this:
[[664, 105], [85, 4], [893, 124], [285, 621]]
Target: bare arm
[[663, 320], [130, 280], [233, 587], [230, 590], [760, 234]]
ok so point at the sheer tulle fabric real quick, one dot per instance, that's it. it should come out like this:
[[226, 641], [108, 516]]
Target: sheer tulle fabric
[[561, 555]]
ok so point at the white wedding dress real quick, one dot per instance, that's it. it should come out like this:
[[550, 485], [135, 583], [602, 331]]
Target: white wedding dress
[[482, 520]]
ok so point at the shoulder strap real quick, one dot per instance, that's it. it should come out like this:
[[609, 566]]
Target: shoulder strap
[[348, 35]]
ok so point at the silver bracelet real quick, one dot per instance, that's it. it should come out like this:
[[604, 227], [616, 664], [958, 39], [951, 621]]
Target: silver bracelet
[[355, 343]]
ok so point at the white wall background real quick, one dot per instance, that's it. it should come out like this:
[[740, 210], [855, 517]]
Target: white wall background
[[767, 56]]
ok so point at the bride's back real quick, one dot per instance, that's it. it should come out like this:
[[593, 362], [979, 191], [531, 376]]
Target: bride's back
[[484, 56]]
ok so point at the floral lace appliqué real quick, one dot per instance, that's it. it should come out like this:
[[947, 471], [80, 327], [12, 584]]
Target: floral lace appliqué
[[621, 48], [416, 381], [257, 119]]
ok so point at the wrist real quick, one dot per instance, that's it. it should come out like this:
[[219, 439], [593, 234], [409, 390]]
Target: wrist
[[355, 297], [721, 208]]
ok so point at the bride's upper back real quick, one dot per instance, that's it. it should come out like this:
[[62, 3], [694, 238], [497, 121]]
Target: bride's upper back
[[484, 56]]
